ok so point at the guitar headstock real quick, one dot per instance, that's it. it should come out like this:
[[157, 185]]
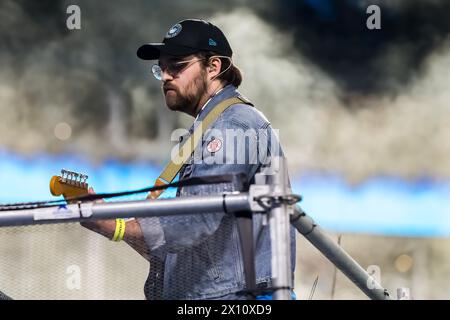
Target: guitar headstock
[[70, 184]]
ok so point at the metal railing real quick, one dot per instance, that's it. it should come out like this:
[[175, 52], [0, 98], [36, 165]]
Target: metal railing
[[270, 195]]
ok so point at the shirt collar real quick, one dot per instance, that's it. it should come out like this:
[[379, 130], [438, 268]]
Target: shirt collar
[[224, 93], [206, 103]]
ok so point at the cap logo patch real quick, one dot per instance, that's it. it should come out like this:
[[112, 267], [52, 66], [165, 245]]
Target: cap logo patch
[[212, 42], [175, 30]]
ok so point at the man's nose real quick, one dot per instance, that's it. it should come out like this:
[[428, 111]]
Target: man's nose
[[165, 76]]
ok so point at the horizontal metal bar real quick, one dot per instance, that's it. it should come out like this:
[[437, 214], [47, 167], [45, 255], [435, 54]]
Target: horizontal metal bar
[[173, 206], [230, 202]]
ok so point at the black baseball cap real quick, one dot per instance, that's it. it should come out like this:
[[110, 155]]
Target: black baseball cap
[[188, 37]]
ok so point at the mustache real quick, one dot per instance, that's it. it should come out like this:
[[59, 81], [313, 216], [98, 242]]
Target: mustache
[[167, 87]]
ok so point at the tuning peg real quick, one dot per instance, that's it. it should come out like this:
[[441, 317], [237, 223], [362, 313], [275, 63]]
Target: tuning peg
[[74, 178], [84, 183], [77, 178], [63, 175], [83, 177]]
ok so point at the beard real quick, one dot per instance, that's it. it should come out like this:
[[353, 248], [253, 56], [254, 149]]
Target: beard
[[188, 100]]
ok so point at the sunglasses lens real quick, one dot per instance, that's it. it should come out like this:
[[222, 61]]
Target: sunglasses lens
[[157, 72], [175, 68]]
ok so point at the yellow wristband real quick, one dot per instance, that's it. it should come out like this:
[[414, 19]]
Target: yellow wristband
[[120, 230]]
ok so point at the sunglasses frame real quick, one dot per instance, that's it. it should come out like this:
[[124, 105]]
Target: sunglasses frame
[[157, 70]]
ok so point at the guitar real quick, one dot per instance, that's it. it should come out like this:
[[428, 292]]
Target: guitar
[[70, 184]]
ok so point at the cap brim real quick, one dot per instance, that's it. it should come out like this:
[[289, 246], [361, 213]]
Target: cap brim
[[152, 51]]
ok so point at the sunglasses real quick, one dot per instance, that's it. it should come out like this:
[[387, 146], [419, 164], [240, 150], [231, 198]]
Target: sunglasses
[[173, 68]]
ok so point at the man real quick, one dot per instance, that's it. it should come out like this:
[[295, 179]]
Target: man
[[198, 256]]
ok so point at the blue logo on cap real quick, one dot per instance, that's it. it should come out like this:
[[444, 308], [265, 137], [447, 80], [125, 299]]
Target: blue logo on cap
[[174, 31], [212, 42]]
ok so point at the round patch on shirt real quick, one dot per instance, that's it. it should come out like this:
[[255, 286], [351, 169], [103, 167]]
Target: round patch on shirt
[[175, 30], [214, 145]]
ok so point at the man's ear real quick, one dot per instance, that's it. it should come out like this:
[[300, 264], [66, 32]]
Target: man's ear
[[214, 65]]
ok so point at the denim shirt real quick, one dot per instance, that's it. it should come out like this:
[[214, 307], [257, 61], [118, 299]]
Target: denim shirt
[[202, 252]]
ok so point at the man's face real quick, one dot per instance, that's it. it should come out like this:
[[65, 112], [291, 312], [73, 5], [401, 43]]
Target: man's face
[[183, 90]]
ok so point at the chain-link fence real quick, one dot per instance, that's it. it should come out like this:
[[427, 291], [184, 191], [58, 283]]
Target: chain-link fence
[[67, 261]]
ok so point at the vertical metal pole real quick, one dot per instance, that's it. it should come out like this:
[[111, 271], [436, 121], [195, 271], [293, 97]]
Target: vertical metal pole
[[279, 222]]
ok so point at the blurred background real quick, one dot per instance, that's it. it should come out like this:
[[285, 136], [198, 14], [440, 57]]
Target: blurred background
[[364, 118]]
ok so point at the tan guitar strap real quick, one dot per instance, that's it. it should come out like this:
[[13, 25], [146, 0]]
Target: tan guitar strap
[[174, 166]]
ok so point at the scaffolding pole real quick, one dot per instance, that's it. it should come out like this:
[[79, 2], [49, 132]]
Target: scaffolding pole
[[279, 232], [341, 259], [125, 209]]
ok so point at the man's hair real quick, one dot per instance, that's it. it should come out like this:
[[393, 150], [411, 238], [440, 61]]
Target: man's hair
[[232, 76]]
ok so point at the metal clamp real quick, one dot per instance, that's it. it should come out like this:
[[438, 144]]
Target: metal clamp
[[261, 200], [268, 201]]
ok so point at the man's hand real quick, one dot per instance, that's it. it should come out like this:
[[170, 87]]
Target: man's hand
[[133, 234], [104, 227]]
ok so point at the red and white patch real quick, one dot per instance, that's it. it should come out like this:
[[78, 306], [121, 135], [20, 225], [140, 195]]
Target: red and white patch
[[214, 145]]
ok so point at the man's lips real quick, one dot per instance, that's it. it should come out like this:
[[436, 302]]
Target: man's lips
[[167, 89]]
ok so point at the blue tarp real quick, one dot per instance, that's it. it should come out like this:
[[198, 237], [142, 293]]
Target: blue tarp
[[383, 206]]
